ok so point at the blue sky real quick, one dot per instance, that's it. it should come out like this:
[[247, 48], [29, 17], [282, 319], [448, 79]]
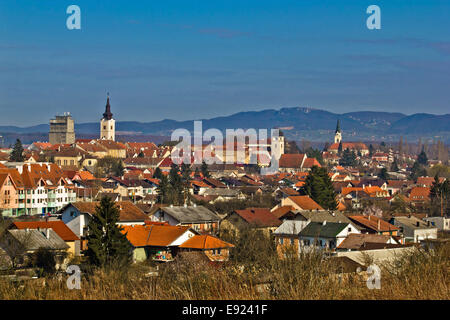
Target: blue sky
[[200, 59]]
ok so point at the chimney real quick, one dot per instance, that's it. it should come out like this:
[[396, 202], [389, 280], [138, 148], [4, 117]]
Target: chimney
[[47, 233], [324, 223], [171, 205], [368, 218], [378, 224]]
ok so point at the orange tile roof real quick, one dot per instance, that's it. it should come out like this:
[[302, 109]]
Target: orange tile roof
[[153, 235], [128, 211], [306, 203], [419, 193], [205, 242], [281, 211], [58, 226], [372, 222], [311, 162]]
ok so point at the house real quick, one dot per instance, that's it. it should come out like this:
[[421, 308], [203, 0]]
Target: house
[[22, 244], [296, 163], [394, 186], [287, 236], [158, 242], [419, 196], [63, 231], [356, 241], [196, 217], [40, 188], [308, 235], [325, 235], [414, 229], [374, 225], [78, 214], [259, 218], [301, 203], [441, 223], [212, 247]]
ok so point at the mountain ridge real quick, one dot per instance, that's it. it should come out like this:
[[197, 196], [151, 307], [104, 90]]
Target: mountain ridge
[[308, 123]]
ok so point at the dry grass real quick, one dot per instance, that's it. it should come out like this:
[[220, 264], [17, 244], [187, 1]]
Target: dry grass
[[422, 275]]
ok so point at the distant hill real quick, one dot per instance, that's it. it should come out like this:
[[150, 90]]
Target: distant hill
[[307, 123]]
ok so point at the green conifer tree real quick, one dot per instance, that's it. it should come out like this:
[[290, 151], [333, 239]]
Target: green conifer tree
[[17, 152], [107, 245], [319, 187]]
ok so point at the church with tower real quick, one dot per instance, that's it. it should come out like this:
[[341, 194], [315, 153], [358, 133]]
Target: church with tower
[[108, 124], [357, 147]]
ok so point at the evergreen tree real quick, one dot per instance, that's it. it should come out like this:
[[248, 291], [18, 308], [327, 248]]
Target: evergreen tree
[[319, 187], [383, 174], [348, 158], [314, 153], [176, 186], [197, 172], [204, 170], [422, 158], [157, 174], [340, 148], [394, 167], [186, 179], [17, 152], [163, 189], [107, 245], [417, 171], [371, 150], [118, 168]]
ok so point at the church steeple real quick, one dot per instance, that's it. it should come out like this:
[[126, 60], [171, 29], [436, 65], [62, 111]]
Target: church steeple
[[338, 126], [108, 124], [338, 133], [107, 115]]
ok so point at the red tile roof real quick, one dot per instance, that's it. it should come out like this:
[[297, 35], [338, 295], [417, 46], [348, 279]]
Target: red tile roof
[[260, 217], [58, 226], [291, 160]]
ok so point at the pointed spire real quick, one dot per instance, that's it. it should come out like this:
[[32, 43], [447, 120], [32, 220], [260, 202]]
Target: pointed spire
[[107, 115], [338, 126]]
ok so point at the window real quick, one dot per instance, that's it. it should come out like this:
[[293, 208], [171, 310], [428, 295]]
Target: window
[[349, 229], [281, 240], [219, 251], [292, 242], [104, 127]]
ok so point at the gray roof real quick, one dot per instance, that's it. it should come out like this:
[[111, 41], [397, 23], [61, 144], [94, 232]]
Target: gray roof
[[291, 227], [411, 222], [223, 192], [319, 230], [321, 216], [191, 214], [33, 239]]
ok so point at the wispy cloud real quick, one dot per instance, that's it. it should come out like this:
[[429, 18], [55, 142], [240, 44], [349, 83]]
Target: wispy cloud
[[442, 47]]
